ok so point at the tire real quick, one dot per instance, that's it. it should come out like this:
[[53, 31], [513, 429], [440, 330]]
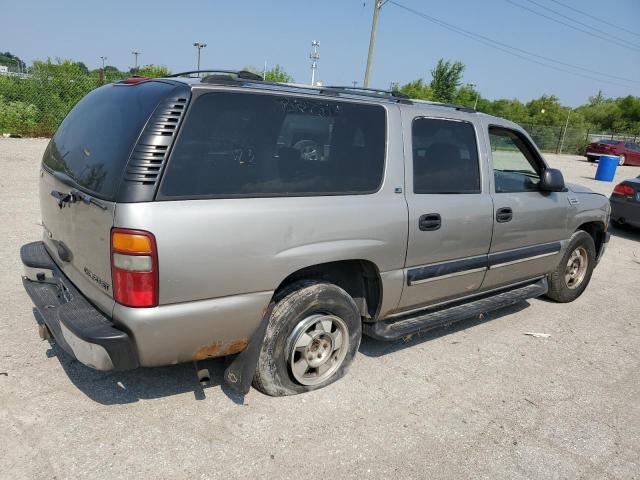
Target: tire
[[591, 159], [567, 282], [621, 159], [301, 316]]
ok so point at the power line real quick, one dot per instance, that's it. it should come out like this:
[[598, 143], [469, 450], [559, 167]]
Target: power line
[[508, 49], [584, 24], [599, 19], [597, 35]]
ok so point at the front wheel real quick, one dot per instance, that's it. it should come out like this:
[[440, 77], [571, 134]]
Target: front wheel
[[313, 334], [574, 271]]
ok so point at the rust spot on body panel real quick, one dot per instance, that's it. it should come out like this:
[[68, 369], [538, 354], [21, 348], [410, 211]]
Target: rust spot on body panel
[[220, 349]]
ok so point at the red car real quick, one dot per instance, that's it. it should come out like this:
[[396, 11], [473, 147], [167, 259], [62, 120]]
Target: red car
[[627, 152]]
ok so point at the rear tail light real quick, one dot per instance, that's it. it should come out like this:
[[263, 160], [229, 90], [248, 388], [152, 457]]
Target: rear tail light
[[624, 190], [134, 267]]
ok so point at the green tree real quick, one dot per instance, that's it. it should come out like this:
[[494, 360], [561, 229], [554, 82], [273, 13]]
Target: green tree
[[415, 89], [275, 74], [447, 77], [12, 62], [152, 71]]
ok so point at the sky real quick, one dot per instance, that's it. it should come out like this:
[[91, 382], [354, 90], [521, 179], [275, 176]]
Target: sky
[[250, 32]]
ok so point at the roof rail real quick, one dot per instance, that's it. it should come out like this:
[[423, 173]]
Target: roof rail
[[378, 91], [455, 106], [243, 74]]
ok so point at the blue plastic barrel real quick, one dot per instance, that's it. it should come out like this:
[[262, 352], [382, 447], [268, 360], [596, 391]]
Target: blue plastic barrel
[[607, 168]]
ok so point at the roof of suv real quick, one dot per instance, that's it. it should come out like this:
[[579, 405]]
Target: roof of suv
[[251, 81]]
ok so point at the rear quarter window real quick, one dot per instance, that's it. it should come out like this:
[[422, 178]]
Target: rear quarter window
[[241, 145], [93, 143]]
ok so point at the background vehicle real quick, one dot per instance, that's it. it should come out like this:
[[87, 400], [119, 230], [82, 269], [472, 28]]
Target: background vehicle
[[628, 152], [185, 218], [625, 203]]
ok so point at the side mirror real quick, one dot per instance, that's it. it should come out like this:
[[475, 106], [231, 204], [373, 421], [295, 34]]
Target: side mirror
[[551, 180]]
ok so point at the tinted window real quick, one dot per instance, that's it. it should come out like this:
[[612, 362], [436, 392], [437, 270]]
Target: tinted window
[[445, 157], [93, 143], [609, 142], [237, 144], [514, 165]]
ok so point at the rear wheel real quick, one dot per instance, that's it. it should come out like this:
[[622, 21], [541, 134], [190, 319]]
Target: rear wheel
[[574, 271], [621, 159], [313, 334]]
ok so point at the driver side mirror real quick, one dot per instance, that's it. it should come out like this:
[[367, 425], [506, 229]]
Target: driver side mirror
[[551, 180]]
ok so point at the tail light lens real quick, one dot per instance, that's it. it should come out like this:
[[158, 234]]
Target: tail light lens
[[134, 267], [624, 190]]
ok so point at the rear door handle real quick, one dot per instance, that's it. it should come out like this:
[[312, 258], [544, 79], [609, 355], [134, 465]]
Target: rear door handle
[[504, 215], [429, 222]]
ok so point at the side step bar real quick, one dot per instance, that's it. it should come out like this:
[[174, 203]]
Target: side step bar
[[426, 320]]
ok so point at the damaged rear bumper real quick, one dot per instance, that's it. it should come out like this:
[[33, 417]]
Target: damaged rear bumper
[[78, 327]]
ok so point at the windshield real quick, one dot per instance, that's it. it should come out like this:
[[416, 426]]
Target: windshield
[[93, 143]]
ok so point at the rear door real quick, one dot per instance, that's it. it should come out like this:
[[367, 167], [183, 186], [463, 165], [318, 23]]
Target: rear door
[[529, 224], [88, 155], [450, 210]]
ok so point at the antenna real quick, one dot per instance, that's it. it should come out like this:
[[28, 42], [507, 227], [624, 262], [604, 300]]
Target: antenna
[[314, 56]]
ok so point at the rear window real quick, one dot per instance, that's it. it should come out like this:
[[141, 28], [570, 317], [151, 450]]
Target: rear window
[[238, 144], [609, 142], [93, 143]]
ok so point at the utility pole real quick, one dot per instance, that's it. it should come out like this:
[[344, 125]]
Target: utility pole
[[102, 70], [564, 132], [475, 103], [355, 83], [264, 72], [135, 54], [377, 5], [314, 56], [199, 46]]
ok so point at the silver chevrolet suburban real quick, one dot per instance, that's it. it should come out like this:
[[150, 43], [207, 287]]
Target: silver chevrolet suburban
[[212, 213]]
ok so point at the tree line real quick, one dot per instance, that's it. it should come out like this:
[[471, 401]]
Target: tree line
[[36, 105]]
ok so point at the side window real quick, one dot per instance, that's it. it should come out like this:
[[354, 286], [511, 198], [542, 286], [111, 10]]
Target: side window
[[241, 144], [514, 164], [445, 157]]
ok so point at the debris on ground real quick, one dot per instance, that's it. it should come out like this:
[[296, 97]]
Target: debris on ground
[[538, 335]]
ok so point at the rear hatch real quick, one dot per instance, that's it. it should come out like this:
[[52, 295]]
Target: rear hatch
[[87, 157]]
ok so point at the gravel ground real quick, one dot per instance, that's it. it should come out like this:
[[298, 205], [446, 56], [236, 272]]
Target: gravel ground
[[480, 400]]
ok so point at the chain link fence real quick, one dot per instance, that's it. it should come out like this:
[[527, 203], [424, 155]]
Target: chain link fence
[[33, 105]]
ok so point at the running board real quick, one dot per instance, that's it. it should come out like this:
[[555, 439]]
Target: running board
[[426, 320]]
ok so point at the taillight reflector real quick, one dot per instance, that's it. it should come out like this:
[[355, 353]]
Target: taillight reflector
[[134, 267], [624, 190]]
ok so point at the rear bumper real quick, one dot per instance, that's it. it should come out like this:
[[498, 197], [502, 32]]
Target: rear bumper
[[78, 327], [626, 211]]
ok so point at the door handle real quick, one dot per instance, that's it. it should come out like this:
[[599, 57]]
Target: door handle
[[504, 214], [429, 222]]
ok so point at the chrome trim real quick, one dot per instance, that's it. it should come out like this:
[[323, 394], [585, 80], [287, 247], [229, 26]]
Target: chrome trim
[[448, 275], [513, 262]]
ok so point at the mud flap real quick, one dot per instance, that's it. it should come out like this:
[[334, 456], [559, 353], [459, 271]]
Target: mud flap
[[239, 374]]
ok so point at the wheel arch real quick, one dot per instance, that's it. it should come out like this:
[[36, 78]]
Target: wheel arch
[[359, 278], [596, 229]]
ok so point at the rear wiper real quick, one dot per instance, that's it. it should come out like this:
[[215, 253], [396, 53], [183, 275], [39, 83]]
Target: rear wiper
[[74, 196]]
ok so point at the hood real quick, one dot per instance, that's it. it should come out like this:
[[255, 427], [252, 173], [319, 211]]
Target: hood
[[575, 188]]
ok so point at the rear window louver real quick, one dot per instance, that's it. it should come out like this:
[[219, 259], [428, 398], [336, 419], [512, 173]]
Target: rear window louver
[[150, 153]]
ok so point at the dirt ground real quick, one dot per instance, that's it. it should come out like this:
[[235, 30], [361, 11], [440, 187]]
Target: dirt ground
[[478, 400]]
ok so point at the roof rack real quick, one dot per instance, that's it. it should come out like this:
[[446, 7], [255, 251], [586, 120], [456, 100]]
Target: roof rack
[[455, 106], [241, 74], [377, 91], [232, 76]]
